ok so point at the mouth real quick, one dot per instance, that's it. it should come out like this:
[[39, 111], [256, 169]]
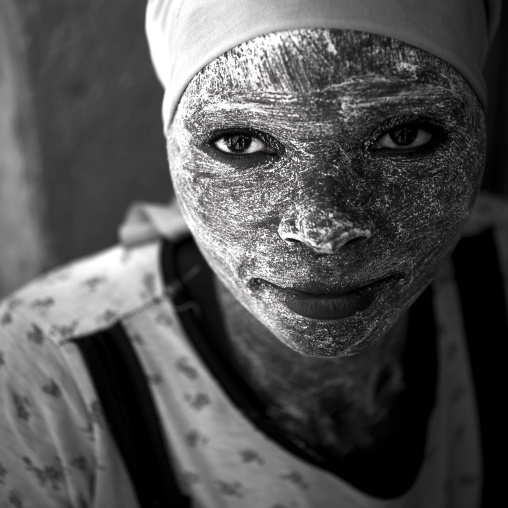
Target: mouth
[[328, 306]]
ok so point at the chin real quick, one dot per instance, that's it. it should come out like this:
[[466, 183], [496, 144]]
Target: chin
[[348, 336]]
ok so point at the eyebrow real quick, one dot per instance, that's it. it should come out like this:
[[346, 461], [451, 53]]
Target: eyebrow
[[360, 93]]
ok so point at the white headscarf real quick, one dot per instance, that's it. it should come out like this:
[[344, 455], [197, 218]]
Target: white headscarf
[[186, 35]]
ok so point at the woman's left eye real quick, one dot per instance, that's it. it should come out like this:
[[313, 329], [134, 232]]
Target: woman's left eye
[[240, 144], [405, 137]]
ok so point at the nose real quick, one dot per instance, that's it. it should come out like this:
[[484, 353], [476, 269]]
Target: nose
[[325, 231]]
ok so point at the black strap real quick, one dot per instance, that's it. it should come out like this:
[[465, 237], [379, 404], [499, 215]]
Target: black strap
[[480, 284], [131, 415]]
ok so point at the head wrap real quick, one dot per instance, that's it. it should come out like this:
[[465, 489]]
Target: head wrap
[[186, 35]]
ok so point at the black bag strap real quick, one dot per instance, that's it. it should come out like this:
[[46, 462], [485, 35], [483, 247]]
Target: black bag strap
[[130, 413]]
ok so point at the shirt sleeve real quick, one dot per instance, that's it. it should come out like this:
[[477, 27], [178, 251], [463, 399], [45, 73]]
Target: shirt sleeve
[[46, 430]]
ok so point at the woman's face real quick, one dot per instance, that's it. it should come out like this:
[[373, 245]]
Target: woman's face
[[325, 176]]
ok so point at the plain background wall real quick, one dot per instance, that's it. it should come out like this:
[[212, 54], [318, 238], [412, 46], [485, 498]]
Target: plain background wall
[[95, 106], [23, 252], [97, 110]]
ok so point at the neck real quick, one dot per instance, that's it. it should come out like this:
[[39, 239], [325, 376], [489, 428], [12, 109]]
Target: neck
[[326, 402]]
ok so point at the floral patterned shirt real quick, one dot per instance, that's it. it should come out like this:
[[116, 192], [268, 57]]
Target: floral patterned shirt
[[57, 452]]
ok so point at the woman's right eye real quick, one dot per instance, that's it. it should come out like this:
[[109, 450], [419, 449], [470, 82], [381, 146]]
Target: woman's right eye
[[240, 144], [243, 148]]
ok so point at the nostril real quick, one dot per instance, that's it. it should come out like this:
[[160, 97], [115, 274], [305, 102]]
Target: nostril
[[322, 232]]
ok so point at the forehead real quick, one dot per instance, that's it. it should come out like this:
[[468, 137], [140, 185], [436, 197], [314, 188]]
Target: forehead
[[319, 64]]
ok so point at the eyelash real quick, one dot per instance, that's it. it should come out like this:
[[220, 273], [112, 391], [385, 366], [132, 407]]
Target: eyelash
[[437, 132], [243, 159]]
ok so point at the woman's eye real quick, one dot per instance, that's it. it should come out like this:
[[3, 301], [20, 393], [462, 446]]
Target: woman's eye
[[242, 148], [240, 144], [404, 138]]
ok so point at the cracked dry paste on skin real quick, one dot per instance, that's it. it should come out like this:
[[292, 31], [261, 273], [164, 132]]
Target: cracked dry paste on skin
[[321, 99], [324, 112]]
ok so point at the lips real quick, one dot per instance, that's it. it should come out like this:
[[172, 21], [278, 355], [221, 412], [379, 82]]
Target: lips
[[340, 305]]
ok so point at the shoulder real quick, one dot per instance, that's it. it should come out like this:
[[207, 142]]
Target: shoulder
[[50, 418], [54, 444], [39, 321], [92, 294], [87, 295]]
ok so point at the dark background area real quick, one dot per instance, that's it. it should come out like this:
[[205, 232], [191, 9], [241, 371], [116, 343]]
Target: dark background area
[[97, 110], [496, 73]]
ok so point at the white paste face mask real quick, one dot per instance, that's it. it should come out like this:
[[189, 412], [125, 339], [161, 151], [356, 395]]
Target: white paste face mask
[[335, 164]]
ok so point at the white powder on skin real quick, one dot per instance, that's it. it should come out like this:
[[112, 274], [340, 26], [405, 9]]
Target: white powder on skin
[[324, 231], [325, 109]]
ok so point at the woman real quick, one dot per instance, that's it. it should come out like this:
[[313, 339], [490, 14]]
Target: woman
[[325, 157]]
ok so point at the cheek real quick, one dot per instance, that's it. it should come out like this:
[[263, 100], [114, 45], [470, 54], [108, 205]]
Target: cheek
[[431, 198], [218, 197], [217, 204]]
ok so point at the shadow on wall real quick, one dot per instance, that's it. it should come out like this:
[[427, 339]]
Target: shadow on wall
[[87, 128]]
